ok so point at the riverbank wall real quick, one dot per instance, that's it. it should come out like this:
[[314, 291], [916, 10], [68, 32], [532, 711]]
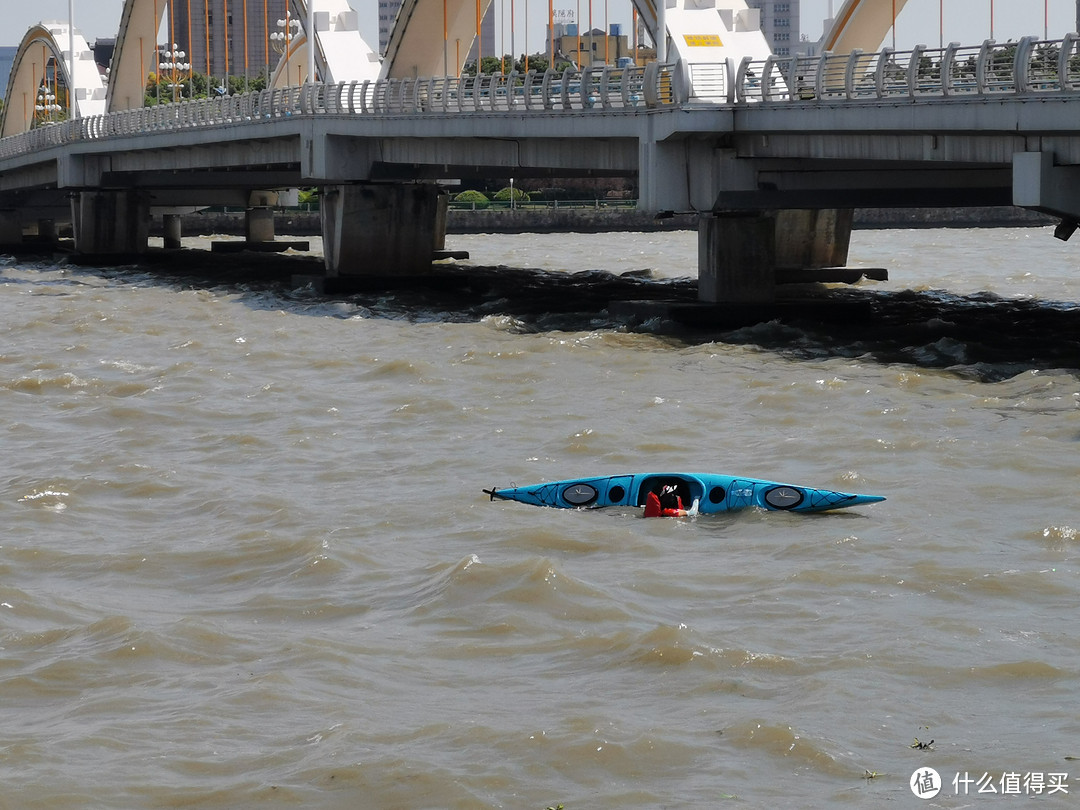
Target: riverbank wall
[[600, 219]]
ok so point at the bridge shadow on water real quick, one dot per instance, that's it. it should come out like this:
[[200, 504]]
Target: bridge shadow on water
[[981, 336]]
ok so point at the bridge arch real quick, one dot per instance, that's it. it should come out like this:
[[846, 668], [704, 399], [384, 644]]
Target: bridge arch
[[41, 61], [342, 54], [432, 37], [861, 24]]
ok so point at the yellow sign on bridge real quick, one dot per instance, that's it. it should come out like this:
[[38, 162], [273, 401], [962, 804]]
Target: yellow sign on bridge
[[703, 40]]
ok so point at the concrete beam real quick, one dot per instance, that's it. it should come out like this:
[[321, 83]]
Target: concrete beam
[[1041, 186]]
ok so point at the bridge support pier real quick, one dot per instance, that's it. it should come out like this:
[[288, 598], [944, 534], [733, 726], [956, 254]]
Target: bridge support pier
[[382, 229], [10, 227], [259, 224], [737, 258], [813, 239], [170, 224], [739, 254], [46, 231], [110, 222]]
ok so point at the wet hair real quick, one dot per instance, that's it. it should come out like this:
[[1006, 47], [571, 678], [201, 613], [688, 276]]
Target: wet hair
[[668, 498]]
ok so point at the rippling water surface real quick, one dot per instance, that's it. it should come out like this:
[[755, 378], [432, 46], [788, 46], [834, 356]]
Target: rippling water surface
[[246, 559]]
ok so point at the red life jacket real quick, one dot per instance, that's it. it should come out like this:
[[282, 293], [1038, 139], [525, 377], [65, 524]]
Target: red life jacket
[[653, 508]]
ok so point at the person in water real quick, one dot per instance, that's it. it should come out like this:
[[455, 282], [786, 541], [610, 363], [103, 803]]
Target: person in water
[[667, 503]]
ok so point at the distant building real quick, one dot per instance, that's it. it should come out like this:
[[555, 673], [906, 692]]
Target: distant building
[[591, 47], [103, 51], [7, 62], [242, 47], [779, 24]]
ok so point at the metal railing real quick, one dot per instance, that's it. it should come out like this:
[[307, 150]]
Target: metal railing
[[1026, 68], [601, 89]]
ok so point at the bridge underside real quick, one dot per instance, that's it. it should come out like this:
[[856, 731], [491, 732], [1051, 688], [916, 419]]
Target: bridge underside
[[774, 187], [787, 184]]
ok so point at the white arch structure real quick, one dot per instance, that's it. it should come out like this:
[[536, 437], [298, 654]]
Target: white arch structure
[[43, 43], [861, 24], [341, 54], [434, 37]]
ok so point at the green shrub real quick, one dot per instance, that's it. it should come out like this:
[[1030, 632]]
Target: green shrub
[[471, 196], [477, 198], [505, 195]]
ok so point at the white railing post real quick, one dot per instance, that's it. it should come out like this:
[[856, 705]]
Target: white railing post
[[511, 89], [650, 86], [605, 102], [767, 78], [982, 66], [819, 74], [1022, 64], [1064, 58], [527, 98], [884, 60], [854, 60], [682, 86], [586, 87], [364, 97], [948, 59], [741, 92], [913, 70]]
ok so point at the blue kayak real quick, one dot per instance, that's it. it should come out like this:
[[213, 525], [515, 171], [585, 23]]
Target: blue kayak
[[712, 491]]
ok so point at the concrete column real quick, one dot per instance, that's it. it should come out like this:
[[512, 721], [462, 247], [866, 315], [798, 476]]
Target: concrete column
[[807, 239], [46, 229], [10, 227], [737, 258], [110, 222], [442, 206], [170, 224], [259, 224], [381, 229]]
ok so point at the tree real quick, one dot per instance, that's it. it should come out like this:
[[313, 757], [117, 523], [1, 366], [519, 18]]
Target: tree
[[198, 85], [488, 65]]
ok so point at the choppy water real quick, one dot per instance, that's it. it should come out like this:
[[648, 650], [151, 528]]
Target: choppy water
[[246, 560]]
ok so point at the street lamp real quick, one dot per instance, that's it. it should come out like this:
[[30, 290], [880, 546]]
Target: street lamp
[[281, 41], [46, 110], [174, 66]]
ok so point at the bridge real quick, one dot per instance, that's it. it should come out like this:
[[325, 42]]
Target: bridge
[[772, 153]]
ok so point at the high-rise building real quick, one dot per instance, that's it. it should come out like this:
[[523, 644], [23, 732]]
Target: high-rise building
[[779, 24], [226, 37]]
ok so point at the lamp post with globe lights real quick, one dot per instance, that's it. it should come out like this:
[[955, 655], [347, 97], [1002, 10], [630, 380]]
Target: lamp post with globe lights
[[281, 40], [46, 110], [176, 69]]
